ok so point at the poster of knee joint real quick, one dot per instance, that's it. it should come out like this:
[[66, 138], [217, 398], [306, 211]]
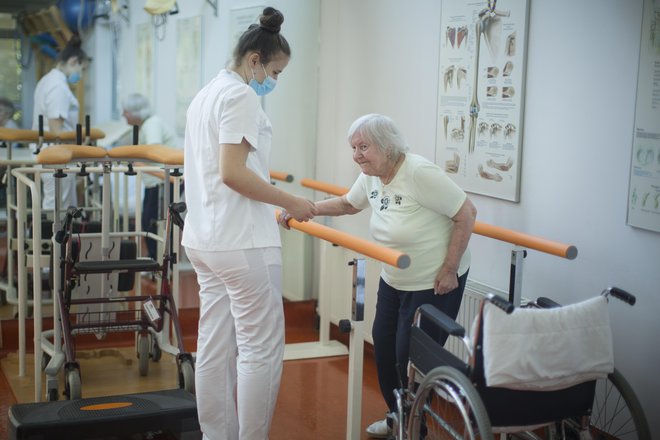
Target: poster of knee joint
[[481, 94], [644, 188]]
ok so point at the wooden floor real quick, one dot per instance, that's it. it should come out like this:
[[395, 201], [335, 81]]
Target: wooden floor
[[311, 404]]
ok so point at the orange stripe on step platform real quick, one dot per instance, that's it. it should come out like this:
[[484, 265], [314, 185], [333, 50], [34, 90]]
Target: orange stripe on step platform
[[103, 406]]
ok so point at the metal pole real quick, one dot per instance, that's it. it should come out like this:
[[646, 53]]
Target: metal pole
[[356, 352], [515, 279]]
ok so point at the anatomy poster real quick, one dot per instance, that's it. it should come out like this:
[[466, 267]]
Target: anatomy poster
[[188, 66], [644, 190], [144, 60], [481, 89]]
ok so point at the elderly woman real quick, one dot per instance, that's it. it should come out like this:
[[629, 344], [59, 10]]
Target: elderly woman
[[137, 111], [417, 209]]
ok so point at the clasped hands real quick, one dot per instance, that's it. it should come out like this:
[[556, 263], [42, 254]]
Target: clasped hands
[[302, 210]]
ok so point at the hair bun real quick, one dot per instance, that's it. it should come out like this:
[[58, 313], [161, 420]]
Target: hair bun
[[75, 41], [271, 20]]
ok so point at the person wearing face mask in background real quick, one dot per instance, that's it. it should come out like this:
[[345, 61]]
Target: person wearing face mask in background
[[54, 100], [233, 241]]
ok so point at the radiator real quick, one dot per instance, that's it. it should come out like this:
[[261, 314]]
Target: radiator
[[472, 297]]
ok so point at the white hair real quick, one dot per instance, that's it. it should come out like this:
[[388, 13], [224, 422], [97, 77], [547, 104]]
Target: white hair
[[137, 105], [381, 131]]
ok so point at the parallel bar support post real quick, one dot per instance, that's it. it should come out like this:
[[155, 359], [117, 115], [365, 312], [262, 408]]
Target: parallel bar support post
[[356, 352], [515, 279]]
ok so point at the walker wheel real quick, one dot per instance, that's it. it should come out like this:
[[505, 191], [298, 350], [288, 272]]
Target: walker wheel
[[73, 386], [143, 354], [187, 376]]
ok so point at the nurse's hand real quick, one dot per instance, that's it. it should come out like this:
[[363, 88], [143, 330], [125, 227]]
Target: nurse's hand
[[301, 209]]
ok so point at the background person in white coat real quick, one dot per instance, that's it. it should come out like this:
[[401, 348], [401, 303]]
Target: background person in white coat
[[54, 100]]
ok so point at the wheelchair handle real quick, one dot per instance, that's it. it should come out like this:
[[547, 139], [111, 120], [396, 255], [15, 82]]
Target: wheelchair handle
[[501, 303], [620, 294]]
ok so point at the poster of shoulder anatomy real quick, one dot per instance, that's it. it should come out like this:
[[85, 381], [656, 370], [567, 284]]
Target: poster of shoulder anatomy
[[480, 99], [644, 189]]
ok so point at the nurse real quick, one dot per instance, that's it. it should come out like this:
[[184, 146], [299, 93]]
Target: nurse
[[232, 239], [54, 100]]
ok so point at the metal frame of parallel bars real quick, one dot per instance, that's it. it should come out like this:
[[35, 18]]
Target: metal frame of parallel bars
[[41, 338]]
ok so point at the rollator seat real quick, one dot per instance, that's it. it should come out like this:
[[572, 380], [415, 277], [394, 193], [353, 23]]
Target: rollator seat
[[107, 266]]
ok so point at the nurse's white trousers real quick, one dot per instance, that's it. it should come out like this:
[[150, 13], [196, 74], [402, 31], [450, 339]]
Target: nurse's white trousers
[[240, 345]]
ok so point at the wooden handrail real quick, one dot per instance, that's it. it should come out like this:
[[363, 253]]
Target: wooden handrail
[[567, 251], [65, 153], [348, 241], [154, 153], [22, 135], [281, 175], [70, 136]]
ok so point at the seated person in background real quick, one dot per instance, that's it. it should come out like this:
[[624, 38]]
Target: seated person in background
[[137, 111], [6, 112]]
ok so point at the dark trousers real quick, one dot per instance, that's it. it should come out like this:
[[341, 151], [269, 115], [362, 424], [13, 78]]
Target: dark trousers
[[395, 310], [150, 218], [151, 214]]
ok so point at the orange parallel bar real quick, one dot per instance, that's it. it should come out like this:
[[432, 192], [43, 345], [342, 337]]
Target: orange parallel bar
[[567, 251], [329, 188], [281, 175], [348, 241]]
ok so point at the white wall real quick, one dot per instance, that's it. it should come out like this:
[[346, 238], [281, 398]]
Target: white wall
[[382, 56]]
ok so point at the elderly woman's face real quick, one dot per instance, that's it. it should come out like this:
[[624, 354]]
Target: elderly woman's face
[[372, 159]]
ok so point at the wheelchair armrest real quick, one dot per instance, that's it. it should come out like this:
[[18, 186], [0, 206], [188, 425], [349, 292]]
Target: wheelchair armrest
[[440, 319]]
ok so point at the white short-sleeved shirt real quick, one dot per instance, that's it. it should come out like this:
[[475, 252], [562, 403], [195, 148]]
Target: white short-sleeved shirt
[[219, 219], [412, 214], [155, 131], [54, 99]]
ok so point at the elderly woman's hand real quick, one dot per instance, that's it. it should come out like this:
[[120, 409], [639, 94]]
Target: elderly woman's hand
[[445, 281], [283, 219]]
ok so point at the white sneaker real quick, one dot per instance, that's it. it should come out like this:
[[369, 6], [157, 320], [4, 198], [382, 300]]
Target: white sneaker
[[379, 429]]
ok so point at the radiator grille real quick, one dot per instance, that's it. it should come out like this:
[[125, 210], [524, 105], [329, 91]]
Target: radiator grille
[[472, 297]]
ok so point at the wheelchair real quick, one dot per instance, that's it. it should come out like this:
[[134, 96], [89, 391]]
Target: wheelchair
[[451, 398]]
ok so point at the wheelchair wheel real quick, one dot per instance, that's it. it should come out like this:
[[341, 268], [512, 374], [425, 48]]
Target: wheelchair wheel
[[616, 412], [447, 406]]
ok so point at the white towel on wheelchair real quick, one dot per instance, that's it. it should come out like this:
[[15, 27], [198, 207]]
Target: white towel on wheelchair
[[547, 349]]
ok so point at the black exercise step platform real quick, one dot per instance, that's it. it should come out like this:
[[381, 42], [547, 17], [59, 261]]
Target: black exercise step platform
[[107, 266], [171, 413]]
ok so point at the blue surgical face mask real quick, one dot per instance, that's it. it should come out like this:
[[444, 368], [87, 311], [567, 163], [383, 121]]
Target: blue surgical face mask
[[265, 87], [73, 78]]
